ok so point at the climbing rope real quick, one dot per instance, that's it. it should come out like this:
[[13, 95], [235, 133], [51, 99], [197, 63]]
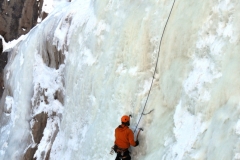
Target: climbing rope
[[154, 70]]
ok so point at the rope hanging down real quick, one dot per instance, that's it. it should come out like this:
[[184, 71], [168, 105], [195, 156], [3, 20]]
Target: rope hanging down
[[154, 69]]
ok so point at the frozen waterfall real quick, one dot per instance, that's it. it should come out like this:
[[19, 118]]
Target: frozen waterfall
[[72, 77]]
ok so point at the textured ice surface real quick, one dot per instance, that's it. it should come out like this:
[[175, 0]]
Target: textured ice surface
[[110, 50]]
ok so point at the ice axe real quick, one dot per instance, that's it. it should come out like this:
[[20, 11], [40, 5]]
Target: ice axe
[[140, 129]]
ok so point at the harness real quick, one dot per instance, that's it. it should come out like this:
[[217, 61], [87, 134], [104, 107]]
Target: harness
[[120, 151]]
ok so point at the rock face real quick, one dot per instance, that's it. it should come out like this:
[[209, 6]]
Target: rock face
[[3, 62], [17, 17]]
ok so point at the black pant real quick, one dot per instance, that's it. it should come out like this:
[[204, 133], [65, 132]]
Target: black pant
[[125, 156]]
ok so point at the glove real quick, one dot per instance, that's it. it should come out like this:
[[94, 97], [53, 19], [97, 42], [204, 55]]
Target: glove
[[137, 143]]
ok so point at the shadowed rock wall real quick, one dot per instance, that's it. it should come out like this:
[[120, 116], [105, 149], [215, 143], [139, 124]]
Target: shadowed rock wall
[[17, 17]]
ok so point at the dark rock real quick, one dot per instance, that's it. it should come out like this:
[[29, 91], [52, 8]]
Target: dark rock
[[1, 46], [17, 17], [30, 153], [40, 122], [3, 63]]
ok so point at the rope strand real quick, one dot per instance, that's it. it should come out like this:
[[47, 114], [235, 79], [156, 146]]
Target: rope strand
[[155, 67]]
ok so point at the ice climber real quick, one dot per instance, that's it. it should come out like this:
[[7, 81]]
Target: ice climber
[[124, 137]]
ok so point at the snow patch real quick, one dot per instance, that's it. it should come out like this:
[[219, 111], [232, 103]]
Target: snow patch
[[238, 127], [146, 87], [121, 69], [186, 130], [11, 44], [102, 26], [237, 156], [133, 71], [88, 58], [9, 102], [203, 72], [49, 81]]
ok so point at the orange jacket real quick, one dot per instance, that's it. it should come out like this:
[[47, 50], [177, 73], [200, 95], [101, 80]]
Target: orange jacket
[[124, 137]]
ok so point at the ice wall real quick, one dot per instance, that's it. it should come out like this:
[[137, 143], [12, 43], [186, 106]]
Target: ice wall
[[90, 62]]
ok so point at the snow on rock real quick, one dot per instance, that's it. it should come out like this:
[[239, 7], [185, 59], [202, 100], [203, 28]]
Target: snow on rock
[[8, 45]]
